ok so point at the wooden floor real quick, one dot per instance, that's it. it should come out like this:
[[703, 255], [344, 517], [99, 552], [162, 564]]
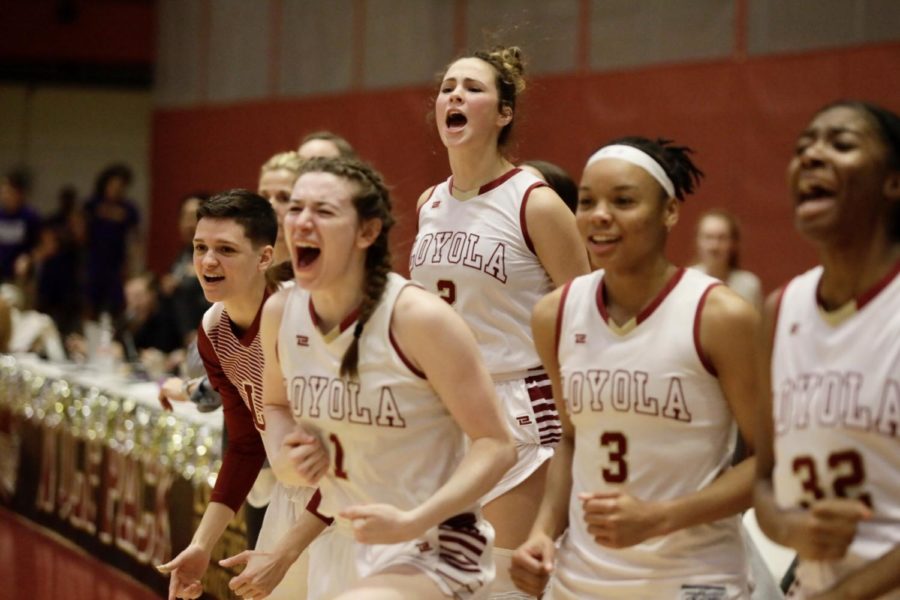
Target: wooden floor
[[36, 566]]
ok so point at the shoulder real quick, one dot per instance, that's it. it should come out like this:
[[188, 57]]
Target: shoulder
[[275, 303], [415, 307], [211, 317], [724, 310], [423, 198]]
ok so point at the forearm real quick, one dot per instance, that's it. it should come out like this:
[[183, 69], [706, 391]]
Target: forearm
[[873, 580], [299, 536], [768, 515], [553, 514], [482, 467], [215, 519], [729, 494], [279, 423]]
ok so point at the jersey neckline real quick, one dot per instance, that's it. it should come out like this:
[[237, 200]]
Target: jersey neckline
[[343, 326], [840, 314], [644, 314], [487, 186]]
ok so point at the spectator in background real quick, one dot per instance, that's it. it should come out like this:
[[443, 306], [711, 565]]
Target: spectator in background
[[179, 286], [58, 264], [147, 332], [325, 144], [19, 223], [112, 225], [556, 177], [718, 255]]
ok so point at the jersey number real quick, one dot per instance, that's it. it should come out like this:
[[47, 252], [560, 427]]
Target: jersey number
[[617, 444], [338, 457], [447, 290], [846, 464]]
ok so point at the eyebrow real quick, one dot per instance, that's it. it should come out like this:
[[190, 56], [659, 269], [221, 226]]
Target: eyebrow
[[833, 130], [465, 80]]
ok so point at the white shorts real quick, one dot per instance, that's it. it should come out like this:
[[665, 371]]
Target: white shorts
[[456, 555], [648, 590], [527, 403], [285, 507]]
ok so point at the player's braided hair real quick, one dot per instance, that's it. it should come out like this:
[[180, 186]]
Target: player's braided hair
[[372, 201], [675, 161]]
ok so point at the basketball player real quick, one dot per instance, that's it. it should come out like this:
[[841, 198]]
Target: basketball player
[[492, 240], [651, 360], [829, 454], [383, 410], [276, 180], [232, 250]]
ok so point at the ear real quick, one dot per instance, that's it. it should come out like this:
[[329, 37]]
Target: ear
[[368, 232], [671, 213], [506, 116], [265, 257], [892, 186]]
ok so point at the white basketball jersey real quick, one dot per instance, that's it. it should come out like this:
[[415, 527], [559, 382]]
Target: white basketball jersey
[[836, 401], [651, 420], [390, 437], [477, 255]]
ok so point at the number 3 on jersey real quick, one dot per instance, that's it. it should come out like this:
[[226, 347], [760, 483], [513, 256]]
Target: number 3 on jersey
[[447, 290], [617, 445]]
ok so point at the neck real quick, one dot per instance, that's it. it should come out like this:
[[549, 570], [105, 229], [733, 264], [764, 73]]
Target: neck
[[850, 270], [335, 302], [242, 310], [628, 292], [280, 252], [472, 169], [718, 271]]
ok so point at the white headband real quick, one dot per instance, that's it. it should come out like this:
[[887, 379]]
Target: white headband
[[635, 157]]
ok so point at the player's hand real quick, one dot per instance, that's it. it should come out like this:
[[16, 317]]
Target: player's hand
[[186, 570], [382, 524], [826, 529], [306, 455], [532, 564], [171, 390], [264, 571], [619, 520]]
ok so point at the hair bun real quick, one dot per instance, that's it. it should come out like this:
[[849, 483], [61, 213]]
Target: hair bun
[[513, 61]]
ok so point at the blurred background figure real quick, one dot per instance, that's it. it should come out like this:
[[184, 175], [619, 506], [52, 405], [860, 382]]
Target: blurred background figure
[[718, 255], [556, 177], [147, 331], [180, 286], [19, 223], [112, 222], [325, 144], [59, 263]]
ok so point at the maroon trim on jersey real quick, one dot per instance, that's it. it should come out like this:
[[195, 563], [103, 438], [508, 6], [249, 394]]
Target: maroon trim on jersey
[[648, 310], [495, 183], [403, 358], [777, 313], [523, 222], [876, 289], [312, 507], [343, 326], [559, 316], [419, 208], [704, 359]]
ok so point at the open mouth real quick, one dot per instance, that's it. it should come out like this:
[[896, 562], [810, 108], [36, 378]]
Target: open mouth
[[307, 255], [213, 278], [456, 120], [814, 192]]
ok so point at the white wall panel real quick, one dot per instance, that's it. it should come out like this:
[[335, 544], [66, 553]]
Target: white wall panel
[[407, 41], [178, 52], [317, 47], [545, 29], [238, 50], [628, 33]]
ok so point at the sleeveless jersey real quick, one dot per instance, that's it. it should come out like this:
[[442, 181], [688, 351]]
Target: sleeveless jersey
[[836, 405], [390, 437], [477, 255], [651, 420]]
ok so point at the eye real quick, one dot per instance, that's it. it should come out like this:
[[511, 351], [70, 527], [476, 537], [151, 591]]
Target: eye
[[199, 248], [585, 202], [843, 144], [282, 198], [622, 200]]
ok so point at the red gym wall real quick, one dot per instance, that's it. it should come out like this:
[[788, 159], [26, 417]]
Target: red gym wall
[[740, 115]]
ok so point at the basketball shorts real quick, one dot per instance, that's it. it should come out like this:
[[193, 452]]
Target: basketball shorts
[[456, 555], [527, 403]]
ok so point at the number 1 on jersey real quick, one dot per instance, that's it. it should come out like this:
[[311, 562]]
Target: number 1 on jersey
[[338, 457]]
